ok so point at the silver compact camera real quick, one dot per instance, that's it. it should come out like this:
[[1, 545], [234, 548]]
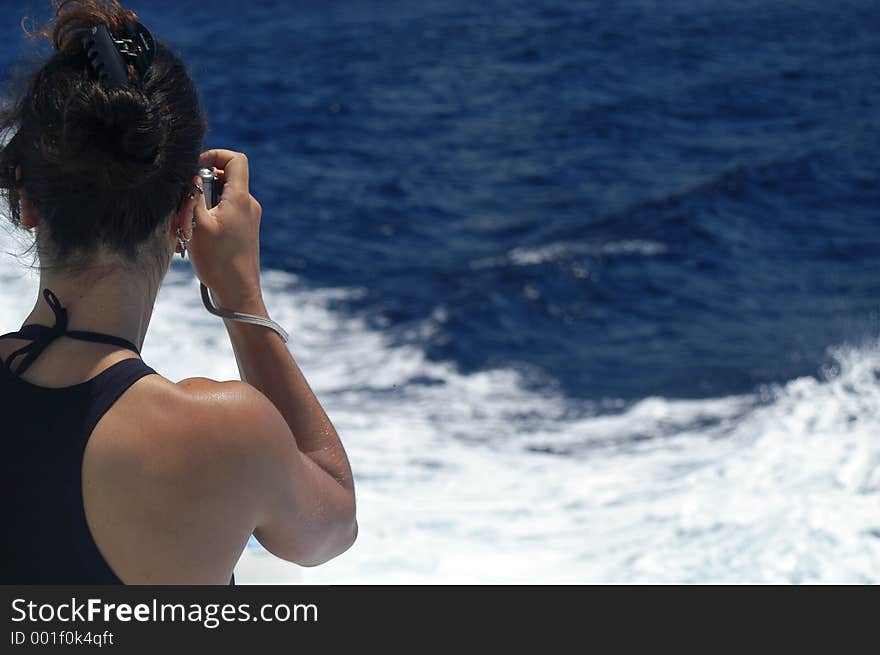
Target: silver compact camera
[[212, 186]]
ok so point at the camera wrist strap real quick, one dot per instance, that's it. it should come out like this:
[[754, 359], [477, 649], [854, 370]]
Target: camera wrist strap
[[239, 316]]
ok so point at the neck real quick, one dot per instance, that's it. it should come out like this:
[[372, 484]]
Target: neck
[[119, 303]]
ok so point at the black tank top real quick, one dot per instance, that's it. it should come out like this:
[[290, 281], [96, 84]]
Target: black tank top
[[44, 436]]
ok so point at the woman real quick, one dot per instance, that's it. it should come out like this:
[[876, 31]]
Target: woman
[[114, 473]]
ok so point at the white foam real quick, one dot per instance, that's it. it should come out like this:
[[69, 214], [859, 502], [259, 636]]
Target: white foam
[[526, 256], [475, 479]]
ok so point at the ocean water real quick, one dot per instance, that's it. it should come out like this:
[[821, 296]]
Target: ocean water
[[590, 290]]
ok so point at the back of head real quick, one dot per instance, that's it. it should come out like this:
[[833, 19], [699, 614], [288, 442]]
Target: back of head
[[105, 166]]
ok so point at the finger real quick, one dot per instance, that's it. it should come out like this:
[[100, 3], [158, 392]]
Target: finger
[[235, 167], [216, 157]]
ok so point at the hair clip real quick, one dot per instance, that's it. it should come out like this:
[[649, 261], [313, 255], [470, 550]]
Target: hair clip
[[139, 47], [104, 57], [109, 57]]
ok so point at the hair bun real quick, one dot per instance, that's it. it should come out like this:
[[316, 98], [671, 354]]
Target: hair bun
[[113, 135]]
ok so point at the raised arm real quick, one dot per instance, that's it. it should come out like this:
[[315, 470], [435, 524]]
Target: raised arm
[[307, 499]]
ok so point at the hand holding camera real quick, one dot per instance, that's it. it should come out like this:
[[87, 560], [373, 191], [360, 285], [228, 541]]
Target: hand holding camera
[[226, 252]]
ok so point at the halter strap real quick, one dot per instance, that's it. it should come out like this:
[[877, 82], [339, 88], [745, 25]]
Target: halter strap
[[42, 335]]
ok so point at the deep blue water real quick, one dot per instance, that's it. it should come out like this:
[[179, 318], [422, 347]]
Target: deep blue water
[[621, 199]]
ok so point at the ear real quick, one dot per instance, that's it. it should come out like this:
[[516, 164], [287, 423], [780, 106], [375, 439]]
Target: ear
[[183, 218], [30, 215]]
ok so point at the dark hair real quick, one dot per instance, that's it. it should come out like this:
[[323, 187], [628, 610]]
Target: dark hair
[[104, 166]]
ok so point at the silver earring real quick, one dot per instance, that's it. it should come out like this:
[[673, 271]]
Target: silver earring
[[183, 241]]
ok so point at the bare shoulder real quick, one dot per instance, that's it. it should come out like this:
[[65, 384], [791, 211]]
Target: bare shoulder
[[232, 430], [235, 408], [216, 463], [195, 409], [194, 437], [230, 400], [176, 467]]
